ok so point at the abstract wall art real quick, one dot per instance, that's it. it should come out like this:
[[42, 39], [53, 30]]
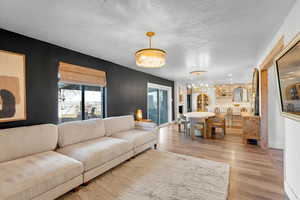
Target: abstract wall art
[[12, 87]]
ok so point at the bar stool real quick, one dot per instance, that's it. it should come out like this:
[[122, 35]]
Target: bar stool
[[229, 117], [217, 111], [200, 125]]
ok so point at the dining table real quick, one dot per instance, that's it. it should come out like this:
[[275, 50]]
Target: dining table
[[195, 117]]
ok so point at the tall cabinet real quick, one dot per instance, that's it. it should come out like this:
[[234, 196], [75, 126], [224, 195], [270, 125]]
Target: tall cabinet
[[202, 102]]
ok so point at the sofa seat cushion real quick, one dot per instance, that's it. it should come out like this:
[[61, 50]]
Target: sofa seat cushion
[[96, 152], [31, 176], [136, 137]]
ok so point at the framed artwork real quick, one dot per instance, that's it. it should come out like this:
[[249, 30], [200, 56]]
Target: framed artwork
[[288, 78], [12, 87], [255, 91]]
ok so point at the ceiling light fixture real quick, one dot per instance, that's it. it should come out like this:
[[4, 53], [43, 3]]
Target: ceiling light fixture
[[198, 72], [150, 57]]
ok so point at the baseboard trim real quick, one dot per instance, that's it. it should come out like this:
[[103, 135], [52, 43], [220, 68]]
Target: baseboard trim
[[276, 146], [166, 124], [290, 192]]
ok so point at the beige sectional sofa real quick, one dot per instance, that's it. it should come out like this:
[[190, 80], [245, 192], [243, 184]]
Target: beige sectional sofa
[[46, 161]]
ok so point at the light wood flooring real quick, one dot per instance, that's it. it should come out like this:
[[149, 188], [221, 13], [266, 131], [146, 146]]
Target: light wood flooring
[[256, 174]]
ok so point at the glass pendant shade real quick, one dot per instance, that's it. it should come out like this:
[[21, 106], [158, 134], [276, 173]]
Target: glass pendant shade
[[150, 58]]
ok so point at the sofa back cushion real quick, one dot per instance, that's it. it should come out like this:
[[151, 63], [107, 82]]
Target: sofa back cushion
[[80, 131], [28, 140], [118, 124]]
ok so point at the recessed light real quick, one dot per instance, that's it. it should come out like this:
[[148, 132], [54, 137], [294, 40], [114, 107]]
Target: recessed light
[[198, 72]]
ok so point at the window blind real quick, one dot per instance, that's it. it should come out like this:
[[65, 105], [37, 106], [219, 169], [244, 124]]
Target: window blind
[[81, 75]]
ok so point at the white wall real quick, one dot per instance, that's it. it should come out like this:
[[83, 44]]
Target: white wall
[[180, 88], [176, 98], [194, 101], [211, 92], [275, 120], [289, 30], [292, 159]]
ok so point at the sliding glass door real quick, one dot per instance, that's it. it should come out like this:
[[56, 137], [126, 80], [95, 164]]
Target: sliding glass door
[[158, 105], [153, 105], [163, 106]]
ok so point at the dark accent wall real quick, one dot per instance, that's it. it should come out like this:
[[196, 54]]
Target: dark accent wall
[[126, 88]]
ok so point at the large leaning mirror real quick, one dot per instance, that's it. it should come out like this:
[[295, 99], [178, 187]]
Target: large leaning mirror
[[240, 94], [288, 73]]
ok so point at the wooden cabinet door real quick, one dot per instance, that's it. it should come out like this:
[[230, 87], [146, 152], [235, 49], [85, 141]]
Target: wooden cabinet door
[[251, 127]]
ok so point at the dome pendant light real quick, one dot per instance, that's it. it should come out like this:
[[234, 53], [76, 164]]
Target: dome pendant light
[[150, 57]]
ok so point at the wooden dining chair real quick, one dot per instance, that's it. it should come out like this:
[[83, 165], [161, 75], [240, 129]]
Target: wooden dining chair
[[213, 123]]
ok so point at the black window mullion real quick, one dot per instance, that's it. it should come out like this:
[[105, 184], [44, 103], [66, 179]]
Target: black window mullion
[[82, 103], [103, 93], [158, 106]]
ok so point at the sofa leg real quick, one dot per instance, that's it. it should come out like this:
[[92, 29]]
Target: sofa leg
[[155, 146], [86, 183]]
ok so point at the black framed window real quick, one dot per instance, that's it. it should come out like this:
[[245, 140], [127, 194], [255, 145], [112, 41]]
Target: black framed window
[[79, 102]]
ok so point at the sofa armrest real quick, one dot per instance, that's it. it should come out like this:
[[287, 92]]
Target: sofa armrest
[[148, 126]]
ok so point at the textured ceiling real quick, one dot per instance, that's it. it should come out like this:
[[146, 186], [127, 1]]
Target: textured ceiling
[[220, 36]]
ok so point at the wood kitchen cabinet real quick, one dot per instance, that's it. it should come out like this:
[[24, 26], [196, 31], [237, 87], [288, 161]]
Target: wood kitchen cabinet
[[251, 128]]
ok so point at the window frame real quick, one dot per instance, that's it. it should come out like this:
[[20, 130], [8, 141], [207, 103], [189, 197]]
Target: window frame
[[82, 106]]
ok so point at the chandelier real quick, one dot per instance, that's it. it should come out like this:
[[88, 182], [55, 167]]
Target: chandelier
[[150, 57]]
